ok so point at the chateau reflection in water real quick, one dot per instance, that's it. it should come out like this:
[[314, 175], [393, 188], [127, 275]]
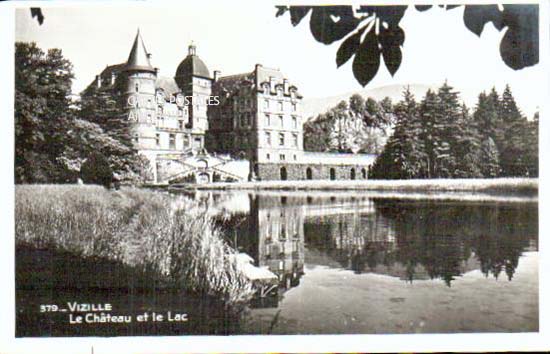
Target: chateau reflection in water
[[408, 239]]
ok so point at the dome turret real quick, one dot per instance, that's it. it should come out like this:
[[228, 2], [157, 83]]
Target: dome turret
[[191, 66]]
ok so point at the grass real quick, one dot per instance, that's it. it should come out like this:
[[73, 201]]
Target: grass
[[525, 186], [145, 231]]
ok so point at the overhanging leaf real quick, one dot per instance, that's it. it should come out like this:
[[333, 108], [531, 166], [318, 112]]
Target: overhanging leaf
[[391, 14], [519, 47], [348, 48], [476, 16], [422, 7], [392, 36], [367, 59], [281, 10], [392, 58], [297, 13], [331, 23]]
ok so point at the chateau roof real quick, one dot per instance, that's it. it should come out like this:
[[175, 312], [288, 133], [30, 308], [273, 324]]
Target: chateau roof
[[167, 84], [139, 58], [192, 65], [258, 77], [232, 82]]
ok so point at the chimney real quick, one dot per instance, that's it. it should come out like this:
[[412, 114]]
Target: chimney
[[256, 74], [98, 81], [217, 75], [113, 78], [272, 82]]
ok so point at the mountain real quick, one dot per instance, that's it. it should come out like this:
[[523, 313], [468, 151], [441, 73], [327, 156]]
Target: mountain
[[311, 107]]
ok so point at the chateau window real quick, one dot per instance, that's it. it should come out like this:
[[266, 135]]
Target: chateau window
[[180, 124], [137, 87], [281, 139], [268, 138], [186, 140], [282, 235], [282, 157], [267, 120], [266, 104], [279, 91], [267, 156], [294, 122], [281, 121], [266, 89], [295, 140], [172, 141], [149, 118], [157, 139], [295, 158], [280, 105], [294, 107]]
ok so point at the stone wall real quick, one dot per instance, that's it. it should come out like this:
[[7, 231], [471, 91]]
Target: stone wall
[[299, 171]]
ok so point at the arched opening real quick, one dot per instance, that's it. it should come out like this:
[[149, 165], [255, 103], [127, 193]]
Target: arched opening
[[309, 173], [352, 173], [203, 178], [332, 174], [364, 173], [283, 174], [202, 163]]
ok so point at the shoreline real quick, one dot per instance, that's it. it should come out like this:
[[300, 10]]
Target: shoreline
[[521, 186]]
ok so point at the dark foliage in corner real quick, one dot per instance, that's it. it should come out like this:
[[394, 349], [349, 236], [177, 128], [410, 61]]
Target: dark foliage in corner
[[96, 170], [373, 32]]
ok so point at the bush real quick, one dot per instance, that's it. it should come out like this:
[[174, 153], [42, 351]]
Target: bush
[[96, 170]]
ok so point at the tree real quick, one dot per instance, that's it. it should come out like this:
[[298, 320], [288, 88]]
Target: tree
[[42, 113], [468, 147], [317, 133], [355, 126], [50, 144], [515, 132], [96, 170], [370, 33], [105, 108], [490, 164], [404, 155]]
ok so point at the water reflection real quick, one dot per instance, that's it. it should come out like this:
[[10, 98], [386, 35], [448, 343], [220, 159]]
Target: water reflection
[[409, 239]]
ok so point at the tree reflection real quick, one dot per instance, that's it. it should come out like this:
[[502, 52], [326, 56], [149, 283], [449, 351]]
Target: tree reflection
[[408, 239], [428, 240]]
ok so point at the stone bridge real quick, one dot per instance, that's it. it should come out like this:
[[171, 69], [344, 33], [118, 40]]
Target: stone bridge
[[199, 168]]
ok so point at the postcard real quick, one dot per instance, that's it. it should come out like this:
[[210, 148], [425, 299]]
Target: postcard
[[267, 176]]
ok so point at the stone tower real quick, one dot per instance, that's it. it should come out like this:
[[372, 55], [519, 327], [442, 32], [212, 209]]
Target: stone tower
[[194, 80], [138, 91]]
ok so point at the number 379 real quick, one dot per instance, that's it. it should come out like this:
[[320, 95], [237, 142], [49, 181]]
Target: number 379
[[49, 308]]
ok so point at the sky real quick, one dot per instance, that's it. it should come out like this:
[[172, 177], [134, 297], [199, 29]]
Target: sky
[[233, 39]]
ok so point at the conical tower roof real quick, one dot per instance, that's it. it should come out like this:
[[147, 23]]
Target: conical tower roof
[[139, 58]]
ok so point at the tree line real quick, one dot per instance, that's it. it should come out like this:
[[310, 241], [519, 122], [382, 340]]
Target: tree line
[[58, 139], [439, 137]]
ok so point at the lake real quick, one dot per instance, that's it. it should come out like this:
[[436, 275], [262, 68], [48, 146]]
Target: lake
[[345, 262], [352, 262]]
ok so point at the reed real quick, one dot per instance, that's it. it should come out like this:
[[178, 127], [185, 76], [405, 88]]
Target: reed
[[150, 232]]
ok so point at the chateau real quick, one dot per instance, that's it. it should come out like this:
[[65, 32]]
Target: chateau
[[198, 127]]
